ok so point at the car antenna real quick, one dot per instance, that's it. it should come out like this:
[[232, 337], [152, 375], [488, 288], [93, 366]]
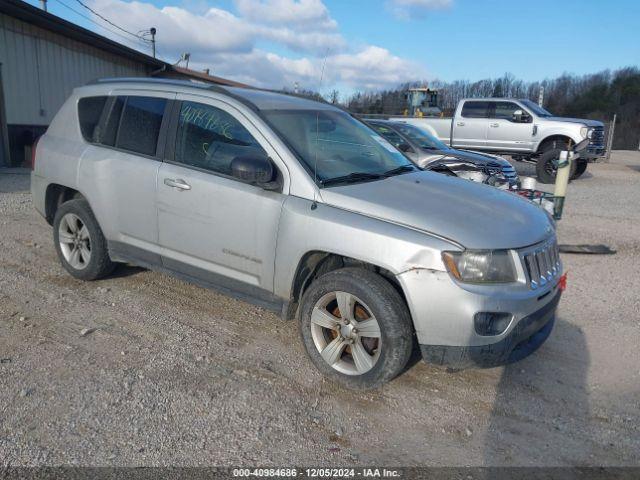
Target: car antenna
[[314, 205]]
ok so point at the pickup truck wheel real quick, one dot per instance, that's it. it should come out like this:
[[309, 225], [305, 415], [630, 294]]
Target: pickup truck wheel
[[79, 241], [546, 168], [581, 167], [356, 328]]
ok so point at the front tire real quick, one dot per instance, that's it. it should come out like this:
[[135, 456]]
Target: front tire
[[356, 328], [79, 241], [581, 167], [546, 166]]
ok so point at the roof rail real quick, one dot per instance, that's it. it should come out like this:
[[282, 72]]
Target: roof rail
[[160, 81], [179, 83]]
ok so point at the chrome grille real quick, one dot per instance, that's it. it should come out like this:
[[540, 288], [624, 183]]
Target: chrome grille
[[542, 264], [597, 137]]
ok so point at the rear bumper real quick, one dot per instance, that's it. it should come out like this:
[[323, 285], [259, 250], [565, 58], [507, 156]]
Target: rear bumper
[[524, 339], [38, 193]]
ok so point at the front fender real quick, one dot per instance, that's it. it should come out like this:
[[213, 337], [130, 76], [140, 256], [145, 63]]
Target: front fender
[[395, 248], [572, 132]]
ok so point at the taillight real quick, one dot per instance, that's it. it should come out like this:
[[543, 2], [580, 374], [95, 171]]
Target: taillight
[[33, 153]]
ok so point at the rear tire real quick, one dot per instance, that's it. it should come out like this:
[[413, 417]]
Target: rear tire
[[375, 326], [546, 166], [79, 241]]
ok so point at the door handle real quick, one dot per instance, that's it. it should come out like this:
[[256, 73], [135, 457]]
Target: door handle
[[460, 124], [495, 125], [177, 183]]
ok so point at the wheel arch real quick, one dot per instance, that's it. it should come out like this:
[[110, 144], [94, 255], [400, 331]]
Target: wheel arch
[[55, 195], [557, 141], [315, 263]]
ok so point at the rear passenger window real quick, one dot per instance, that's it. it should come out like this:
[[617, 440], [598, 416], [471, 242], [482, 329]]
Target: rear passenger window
[[140, 124], [473, 109], [210, 138], [106, 133], [89, 113]]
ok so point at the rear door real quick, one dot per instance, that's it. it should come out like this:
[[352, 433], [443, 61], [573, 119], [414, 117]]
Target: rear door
[[118, 170], [470, 127], [505, 132]]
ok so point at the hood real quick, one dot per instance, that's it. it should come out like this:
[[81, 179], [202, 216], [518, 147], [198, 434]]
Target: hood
[[479, 159], [474, 215], [588, 123]]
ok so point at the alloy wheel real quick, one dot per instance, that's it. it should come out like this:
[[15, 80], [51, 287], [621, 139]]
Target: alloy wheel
[[346, 333], [75, 241]]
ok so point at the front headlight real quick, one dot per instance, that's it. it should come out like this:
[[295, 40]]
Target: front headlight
[[586, 132], [481, 266]]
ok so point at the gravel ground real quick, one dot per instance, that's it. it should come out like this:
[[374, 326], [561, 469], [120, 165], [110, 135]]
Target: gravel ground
[[171, 374]]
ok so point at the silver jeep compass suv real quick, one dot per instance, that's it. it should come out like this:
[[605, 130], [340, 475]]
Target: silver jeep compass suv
[[296, 206]]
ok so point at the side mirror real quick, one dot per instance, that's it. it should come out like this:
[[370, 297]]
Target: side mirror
[[255, 170], [405, 147], [520, 117]]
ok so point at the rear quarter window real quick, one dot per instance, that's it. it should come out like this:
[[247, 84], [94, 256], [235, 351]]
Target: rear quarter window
[[140, 124], [106, 134], [89, 113]]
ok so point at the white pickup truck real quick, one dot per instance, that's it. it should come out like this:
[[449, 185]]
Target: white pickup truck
[[515, 127]]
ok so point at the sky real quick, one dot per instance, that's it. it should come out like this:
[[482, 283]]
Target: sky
[[352, 45]]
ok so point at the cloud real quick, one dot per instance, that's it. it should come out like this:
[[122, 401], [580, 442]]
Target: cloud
[[313, 42], [232, 44], [180, 30], [372, 68], [406, 9], [309, 13]]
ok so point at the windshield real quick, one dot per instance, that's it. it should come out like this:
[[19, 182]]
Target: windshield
[[391, 135], [537, 109], [420, 137], [336, 145]]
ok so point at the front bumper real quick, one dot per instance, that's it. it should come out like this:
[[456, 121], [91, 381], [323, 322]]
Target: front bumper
[[524, 339], [592, 153]]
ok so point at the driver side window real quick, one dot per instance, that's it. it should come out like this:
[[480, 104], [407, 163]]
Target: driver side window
[[505, 110], [210, 138]]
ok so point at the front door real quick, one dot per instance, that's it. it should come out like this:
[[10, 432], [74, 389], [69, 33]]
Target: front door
[[505, 133], [209, 223]]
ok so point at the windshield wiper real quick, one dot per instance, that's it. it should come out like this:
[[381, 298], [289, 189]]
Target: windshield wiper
[[401, 169], [364, 176], [352, 178]]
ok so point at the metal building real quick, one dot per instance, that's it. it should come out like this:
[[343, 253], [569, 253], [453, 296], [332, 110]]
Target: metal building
[[43, 58]]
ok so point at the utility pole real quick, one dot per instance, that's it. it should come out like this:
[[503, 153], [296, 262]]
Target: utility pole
[[152, 30], [43, 5], [612, 129], [541, 95]]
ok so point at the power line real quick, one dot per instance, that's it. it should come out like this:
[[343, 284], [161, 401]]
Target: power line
[[96, 23], [143, 42], [110, 22]]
